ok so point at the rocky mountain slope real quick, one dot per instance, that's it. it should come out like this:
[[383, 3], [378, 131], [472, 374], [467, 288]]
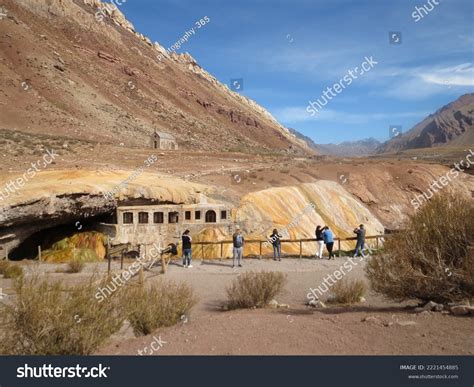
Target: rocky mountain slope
[[79, 69], [453, 124], [350, 148]]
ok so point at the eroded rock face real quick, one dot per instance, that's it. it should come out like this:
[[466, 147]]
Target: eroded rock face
[[299, 209], [57, 197]]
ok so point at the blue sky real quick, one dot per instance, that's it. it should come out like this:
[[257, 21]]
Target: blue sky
[[287, 52]]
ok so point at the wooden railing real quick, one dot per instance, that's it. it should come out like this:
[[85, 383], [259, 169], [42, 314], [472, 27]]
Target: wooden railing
[[377, 238]]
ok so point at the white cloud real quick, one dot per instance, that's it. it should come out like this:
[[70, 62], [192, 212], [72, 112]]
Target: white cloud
[[461, 75], [297, 114]]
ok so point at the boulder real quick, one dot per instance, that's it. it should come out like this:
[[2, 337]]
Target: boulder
[[273, 304], [461, 310]]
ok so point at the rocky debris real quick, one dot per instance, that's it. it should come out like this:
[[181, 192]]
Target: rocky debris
[[362, 300], [111, 11], [59, 67], [129, 71], [462, 310], [103, 55], [275, 305], [405, 323], [373, 320], [316, 304], [430, 306]]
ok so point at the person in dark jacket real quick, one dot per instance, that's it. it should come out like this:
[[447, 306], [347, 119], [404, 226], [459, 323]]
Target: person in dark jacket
[[360, 245], [319, 241], [187, 251], [275, 238]]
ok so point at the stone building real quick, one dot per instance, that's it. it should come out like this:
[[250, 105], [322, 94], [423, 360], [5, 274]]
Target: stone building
[[162, 140], [144, 225]]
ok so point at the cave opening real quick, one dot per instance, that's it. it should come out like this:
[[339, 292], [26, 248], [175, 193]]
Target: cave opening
[[49, 235]]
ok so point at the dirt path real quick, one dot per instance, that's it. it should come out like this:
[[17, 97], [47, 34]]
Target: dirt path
[[393, 329]]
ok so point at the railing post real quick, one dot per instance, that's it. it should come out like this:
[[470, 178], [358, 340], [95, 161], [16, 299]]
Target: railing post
[[339, 246], [39, 254], [377, 242], [109, 258], [163, 264], [6, 253], [301, 248], [121, 260], [222, 250], [260, 242], [202, 252]]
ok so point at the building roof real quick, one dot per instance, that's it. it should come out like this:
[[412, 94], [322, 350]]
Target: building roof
[[163, 135]]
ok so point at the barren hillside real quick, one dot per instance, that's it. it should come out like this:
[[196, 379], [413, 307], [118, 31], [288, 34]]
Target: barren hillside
[[64, 72]]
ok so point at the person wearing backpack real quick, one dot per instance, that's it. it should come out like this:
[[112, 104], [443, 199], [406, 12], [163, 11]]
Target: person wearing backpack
[[187, 251], [328, 238], [320, 242], [276, 242], [238, 250]]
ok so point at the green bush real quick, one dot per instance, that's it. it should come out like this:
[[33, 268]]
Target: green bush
[[432, 259], [255, 289]]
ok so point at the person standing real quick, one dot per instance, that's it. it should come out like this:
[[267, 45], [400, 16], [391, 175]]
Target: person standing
[[276, 242], [360, 245], [238, 250], [320, 242], [328, 238], [187, 251]]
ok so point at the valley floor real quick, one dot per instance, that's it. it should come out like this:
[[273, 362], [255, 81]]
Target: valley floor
[[392, 329]]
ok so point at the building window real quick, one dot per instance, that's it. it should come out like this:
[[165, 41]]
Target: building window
[[158, 217], [211, 216], [173, 217], [224, 215], [187, 215], [143, 217], [197, 215], [128, 218]]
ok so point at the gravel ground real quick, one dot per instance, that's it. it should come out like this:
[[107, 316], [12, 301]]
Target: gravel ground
[[392, 328]]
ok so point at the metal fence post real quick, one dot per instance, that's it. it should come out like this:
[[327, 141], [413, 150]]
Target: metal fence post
[[39, 254], [339, 246]]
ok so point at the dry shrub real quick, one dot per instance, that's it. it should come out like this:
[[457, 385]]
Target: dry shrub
[[75, 266], [49, 319], [12, 271], [3, 265], [255, 289], [347, 291], [433, 258], [159, 305]]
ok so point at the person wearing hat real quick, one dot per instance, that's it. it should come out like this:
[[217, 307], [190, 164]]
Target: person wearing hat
[[360, 232], [238, 247], [187, 251]]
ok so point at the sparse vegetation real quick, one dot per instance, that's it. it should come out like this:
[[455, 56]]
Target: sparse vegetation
[[49, 319], [3, 265], [158, 305], [433, 258], [75, 266], [347, 291], [12, 271], [255, 289]]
